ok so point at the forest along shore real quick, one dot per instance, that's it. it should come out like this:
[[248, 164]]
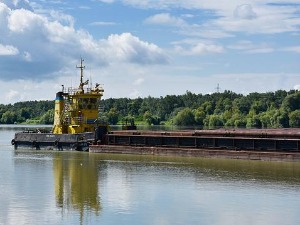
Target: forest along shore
[[228, 109]]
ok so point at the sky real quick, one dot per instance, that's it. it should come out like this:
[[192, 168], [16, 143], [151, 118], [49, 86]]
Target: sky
[[141, 48]]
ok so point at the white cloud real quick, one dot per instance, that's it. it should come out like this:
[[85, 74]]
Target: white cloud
[[165, 19], [204, 31], [49, 43], [168, 4], [27, 89], [106, 1], [251, 48], [227, 20], [12, 95], [159, 81], [27, 56], [134, 94], [62, 18], [138, 81], [128, 48], [57, 33], [4, 13], [232, 16], [244, 12], [8, 50], [102, 23], [242, 45], [265, 20], [14, 4], [297, 87], [260, 50], [295, 49], [184, 28], [38, 44], [199, 48], [22, 20], [188, 16]]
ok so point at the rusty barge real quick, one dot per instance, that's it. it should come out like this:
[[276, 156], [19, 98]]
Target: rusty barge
[[257, 144]]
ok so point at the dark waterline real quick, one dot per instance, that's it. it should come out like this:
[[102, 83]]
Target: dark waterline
[[83, 188]]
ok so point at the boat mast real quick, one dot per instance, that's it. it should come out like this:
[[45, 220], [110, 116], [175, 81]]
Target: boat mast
[[81, 67]]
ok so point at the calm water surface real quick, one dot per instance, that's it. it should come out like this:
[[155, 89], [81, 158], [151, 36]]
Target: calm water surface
[[81, 188]]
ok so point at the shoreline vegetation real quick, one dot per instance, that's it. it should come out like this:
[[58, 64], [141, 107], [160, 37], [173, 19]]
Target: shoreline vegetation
[[279, 109]]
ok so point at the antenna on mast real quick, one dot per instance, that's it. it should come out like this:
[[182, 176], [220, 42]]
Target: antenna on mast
[[81, 67], [91, 84], [218, 88]]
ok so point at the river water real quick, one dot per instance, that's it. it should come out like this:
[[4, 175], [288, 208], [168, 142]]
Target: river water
[[83, 188]]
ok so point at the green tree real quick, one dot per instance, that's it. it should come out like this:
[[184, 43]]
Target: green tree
[[148, 117], [184, 118], [240, 123], [294, 118], [24, 113], [9, 117], [189, 99], [200, 116], [113, 116], [151, 119], [215, 121], [253, 122], [265, 120], [208, 107], [48, 117], [258, 106], [291, 102], [281, 119]]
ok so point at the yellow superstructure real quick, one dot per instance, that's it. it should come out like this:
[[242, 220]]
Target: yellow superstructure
[[77, 109]]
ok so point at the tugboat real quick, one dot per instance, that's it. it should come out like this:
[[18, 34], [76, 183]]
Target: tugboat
[[76, 120]]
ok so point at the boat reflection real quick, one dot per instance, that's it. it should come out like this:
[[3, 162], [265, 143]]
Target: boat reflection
[[76, 183]]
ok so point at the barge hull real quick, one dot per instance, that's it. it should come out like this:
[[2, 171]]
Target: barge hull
[[226, 143], [190, 152], [256, 144], [49, 141]]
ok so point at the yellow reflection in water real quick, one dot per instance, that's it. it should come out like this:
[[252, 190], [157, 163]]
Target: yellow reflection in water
[[76, 182]]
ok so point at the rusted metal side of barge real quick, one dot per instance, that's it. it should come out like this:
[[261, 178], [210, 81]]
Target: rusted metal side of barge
[[205, 153], [268, 144]]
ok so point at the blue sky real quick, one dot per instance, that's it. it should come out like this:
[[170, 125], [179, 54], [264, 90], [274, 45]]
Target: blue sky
[[140, 48]]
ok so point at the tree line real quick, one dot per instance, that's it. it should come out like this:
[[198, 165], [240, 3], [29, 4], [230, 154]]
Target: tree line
[[36, 112], [228, 109]]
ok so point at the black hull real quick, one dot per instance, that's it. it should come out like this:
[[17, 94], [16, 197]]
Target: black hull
[[49, 141]]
